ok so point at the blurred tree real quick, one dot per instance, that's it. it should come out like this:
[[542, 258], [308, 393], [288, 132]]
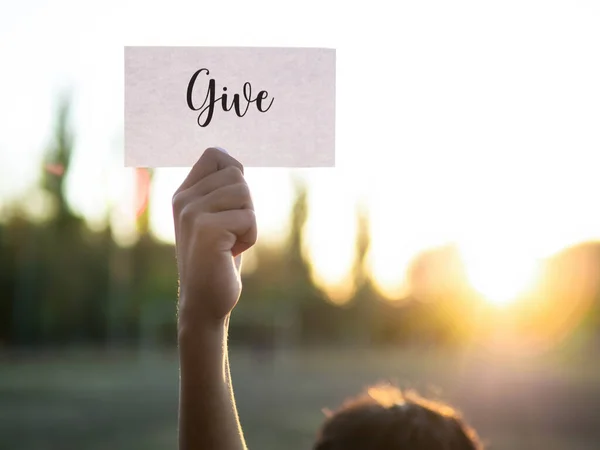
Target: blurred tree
[[280, 299], [60, 265], [57, 163], [19, 320], [566, 302], [304, 301], [362, 321], [74, 258], [62, 282], [153, 293], [446, 306], [363, 245]]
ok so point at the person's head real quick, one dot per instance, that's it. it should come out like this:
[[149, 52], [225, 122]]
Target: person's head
[[385, 418]]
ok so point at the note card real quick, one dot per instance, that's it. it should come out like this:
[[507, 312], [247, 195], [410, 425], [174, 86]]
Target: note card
[[268, 107]]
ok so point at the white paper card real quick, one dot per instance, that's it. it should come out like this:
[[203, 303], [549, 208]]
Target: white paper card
[[268, 107]]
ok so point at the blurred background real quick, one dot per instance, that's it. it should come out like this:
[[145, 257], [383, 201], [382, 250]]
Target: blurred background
[[454, 249]]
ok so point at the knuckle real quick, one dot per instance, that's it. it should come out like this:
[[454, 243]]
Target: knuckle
[[177, 202], [243, 189], [188, 213], [252, 235], [242, 193], [250, 217], [247, 196], [234, 174]]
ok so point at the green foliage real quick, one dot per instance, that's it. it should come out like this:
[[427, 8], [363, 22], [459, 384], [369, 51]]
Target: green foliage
[[62, 283], [57, 162]]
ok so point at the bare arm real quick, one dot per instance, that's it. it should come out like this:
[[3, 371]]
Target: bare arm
[[207, 413], [214, 224]]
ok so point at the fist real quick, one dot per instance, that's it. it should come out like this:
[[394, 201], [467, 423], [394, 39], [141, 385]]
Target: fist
[[214, 223]]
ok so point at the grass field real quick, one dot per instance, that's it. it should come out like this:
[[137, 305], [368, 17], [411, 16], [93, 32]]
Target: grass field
[[123, 400]]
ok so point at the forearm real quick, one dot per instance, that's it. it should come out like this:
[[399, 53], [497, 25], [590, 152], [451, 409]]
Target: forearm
[[214, 224], [207, 413]]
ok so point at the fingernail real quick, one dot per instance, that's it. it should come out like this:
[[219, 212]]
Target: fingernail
[[223, 150]]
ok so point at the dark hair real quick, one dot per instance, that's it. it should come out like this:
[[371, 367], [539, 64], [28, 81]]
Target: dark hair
[[385, 418]]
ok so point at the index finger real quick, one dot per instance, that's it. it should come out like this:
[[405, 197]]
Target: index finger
[[211, 161]]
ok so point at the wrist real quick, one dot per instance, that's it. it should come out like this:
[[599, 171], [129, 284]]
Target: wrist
[[201, 310], [202, 355], [203, 334]]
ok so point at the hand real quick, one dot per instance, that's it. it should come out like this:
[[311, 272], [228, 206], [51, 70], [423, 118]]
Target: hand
[[214, 223]]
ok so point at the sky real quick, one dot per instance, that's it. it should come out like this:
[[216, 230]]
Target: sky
[[469, 122]]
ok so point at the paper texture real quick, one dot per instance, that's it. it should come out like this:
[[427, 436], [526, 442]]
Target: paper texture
[[278, 110]]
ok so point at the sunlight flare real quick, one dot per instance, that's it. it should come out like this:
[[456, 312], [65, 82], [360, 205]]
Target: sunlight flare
[[500, 275]]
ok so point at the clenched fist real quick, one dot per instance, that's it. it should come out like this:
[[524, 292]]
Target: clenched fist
[[214, 223]]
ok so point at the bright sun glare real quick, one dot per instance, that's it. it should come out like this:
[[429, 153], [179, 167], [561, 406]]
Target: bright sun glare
[[500, 275]]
